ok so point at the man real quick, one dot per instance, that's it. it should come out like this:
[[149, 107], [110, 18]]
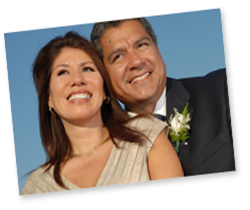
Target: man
[[129, 51]]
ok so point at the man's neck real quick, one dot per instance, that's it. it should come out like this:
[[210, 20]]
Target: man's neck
[[141, 108], [155, 107]]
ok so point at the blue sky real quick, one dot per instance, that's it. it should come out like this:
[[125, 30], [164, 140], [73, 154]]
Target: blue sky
[[191, 45]]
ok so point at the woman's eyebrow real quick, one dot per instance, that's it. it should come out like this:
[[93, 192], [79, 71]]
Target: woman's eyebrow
[[67, 65], [60, 65], [87, 62]]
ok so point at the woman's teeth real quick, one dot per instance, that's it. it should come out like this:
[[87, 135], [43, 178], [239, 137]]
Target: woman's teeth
[[79, 96], [139, 78]]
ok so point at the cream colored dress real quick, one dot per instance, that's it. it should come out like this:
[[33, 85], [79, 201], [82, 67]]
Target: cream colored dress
[[127, 164]]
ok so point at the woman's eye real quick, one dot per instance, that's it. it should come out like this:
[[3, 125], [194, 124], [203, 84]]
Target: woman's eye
[[87, 69], [62, 72]]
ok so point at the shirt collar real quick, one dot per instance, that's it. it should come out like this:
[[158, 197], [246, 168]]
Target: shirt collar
[[160, 107]]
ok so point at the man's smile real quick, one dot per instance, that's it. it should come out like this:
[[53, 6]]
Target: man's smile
[[136, 79]]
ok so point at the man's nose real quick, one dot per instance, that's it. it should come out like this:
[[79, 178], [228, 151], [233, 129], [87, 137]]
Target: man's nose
[[136, 61]]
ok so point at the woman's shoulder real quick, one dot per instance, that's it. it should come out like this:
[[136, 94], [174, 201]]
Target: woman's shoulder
[[147, 122], [38, 174], [38, 182], [149, 126]]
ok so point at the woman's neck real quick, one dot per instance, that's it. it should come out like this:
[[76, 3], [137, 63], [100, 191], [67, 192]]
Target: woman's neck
[[83, 137]]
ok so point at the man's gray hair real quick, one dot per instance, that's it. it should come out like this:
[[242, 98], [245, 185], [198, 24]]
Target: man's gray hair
[[100, 28]]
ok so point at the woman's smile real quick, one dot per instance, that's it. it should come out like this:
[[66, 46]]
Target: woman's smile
[[81, 95]]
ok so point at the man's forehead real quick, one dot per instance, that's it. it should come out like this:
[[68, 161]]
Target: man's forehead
[[129, 29], [128, 25]]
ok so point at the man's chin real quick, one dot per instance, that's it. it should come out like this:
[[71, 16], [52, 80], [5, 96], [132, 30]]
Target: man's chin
[[140, 104]]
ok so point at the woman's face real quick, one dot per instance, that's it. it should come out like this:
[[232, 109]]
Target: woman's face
[[76, 87]]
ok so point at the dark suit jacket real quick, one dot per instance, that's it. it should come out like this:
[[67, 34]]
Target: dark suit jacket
[[210, 147]]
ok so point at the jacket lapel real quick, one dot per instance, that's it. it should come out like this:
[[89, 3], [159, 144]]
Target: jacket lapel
[[177, 96]]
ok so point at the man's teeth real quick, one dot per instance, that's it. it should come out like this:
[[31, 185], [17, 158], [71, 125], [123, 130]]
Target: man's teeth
[[139, 78], [79, 96]]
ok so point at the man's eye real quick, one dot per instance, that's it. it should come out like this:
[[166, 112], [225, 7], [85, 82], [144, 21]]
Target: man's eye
[[62, 72], [116, 57], [87, 69], [144, 44]]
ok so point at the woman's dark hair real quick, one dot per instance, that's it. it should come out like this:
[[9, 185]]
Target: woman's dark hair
[[55, 141]]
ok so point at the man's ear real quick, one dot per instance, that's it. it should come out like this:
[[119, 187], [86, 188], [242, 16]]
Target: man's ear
[[161, 57]]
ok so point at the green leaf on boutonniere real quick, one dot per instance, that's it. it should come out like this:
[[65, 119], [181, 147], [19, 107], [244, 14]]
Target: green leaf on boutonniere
[[179, 126], [185, 110]]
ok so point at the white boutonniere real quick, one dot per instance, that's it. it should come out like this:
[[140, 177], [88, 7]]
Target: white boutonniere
[[179, 126]]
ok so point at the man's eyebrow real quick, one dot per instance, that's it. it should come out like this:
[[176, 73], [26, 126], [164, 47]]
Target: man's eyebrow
[[115, 52], [141, 39], [134, 44]]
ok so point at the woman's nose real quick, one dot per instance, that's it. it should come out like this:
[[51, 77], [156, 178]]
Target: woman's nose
[[77, 78]]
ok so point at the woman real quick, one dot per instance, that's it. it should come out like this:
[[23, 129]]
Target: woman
[[88, 138]]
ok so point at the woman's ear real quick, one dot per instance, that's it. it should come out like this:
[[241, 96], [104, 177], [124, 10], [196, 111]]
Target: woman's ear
[[50, 104], [107, 100]]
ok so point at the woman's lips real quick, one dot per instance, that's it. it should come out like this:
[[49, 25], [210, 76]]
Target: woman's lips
[[79, 96]]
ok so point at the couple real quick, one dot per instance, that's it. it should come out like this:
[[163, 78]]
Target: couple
[[90, 141]]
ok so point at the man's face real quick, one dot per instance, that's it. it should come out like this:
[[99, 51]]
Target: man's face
[[135, 65]]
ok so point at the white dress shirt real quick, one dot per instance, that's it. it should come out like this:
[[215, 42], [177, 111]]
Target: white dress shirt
[[160, 107]]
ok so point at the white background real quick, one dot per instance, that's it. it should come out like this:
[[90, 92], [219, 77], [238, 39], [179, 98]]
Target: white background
[[218, 191]]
